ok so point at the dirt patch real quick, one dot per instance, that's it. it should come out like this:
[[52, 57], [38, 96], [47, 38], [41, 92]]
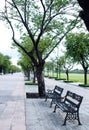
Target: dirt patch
[[32, 95]]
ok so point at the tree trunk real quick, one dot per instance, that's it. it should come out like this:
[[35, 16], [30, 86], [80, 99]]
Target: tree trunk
[[34, 77], [40, 79], [85, 75], [28, 75], [67, 73]]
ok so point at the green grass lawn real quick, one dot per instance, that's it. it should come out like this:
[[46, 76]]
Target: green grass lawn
[[74, 77]]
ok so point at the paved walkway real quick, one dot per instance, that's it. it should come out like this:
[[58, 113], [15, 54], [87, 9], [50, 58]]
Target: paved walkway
[[12, 103], [20, 113], [39, 116]]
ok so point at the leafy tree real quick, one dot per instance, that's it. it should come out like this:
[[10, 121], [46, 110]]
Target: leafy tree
[[77, 46], [50, 67], [5, 63], [60, 63], [47, 68], [68, 65], [26, 65], [25, 61], [14, 68], [1, 62], [46, 22]]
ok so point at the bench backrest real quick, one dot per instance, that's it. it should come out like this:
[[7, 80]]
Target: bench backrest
[[74, 100], [57, 91]]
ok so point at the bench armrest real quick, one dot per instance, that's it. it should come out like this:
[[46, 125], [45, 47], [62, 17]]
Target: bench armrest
[[61, 99], [49, 91]]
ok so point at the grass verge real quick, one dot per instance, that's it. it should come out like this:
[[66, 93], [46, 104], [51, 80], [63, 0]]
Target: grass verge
[[30, 83]]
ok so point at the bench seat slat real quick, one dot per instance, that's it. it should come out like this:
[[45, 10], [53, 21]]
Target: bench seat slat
[[65, 107]]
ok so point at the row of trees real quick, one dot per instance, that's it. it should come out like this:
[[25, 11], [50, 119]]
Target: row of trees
[[6, 65], [77, 46], [27, 66], [77, 51], [42, 26]]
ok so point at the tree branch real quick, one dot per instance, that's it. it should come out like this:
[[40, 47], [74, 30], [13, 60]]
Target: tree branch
[[13, 37], [25, 24], [42, 29], [61, 39], [25, 4]]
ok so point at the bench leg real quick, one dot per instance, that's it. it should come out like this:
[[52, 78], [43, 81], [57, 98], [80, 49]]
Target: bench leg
[[78, 119], [45, 99], [55, 108], [51, 104], [68, 117], [65, 119]]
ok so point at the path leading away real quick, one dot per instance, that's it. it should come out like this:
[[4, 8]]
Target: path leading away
[[20, 113], [12, 107]]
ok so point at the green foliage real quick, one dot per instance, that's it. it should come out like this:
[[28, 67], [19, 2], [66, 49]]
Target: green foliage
[[5, 64], [26, 43], [50, 65], [25, 62], [61, 61], [45, 22], [77, 46], [14, 68], [50, 17], [1, 59]]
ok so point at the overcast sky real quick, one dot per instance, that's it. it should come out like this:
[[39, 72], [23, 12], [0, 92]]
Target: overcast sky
[[5, 43]]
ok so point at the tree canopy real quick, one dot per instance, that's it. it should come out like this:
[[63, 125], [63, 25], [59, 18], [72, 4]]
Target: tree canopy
[[77, 46], [6, 65], [45, 22]]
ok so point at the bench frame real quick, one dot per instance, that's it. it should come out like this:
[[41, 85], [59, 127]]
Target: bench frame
[[54, 94], [70, 105]]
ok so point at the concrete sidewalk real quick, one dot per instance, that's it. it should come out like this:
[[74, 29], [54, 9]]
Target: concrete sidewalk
[[12, 102], [39, 116], [20, 113]]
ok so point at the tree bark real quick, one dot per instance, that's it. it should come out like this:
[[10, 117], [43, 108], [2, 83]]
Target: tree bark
[[40, 79], [34, 76], [67, 73], [84, 14], [85, 76], [28, 74]]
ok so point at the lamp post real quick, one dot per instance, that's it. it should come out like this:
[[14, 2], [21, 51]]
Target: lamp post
[[57, 62]]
